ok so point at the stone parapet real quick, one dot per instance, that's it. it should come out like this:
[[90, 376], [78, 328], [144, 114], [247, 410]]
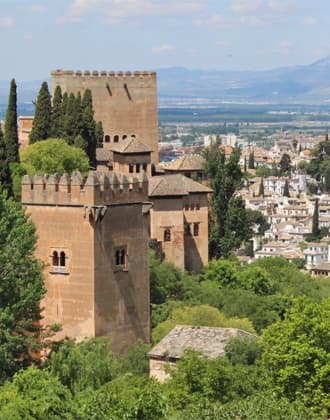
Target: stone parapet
[[104, 74], [98, 188]]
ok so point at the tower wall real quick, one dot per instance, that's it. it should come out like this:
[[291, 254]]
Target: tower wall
[[99, 283], [125, 102]]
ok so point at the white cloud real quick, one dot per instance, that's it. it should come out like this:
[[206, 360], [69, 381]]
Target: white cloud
[[162, 49], [37, 8], [249, 20], [116, 10], [309, 20], [212, 20], [285, 47], [7, 22], [245, 6]]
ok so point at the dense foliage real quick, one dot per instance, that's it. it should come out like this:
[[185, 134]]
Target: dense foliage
[[21, 289], [53, 156]]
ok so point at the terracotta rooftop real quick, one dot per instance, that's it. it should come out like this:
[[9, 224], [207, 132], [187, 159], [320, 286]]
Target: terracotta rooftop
[[186, 162], [176, 184], [131, 145], [210, 341]]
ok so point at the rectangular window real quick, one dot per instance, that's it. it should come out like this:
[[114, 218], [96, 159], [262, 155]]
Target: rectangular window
[[121, 258], [196, 229]]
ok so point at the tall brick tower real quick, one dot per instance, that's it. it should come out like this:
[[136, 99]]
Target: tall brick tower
[[125, 102], [93, 238]]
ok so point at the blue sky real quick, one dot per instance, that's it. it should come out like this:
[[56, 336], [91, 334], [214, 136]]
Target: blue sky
[[37, 37]]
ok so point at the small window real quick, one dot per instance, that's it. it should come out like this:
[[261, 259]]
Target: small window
[[55, 259], [130, 168], [144, 166], [137, 168], [192, 206], [198, 206], [186, 207], [116, 138], [133, 136], [167, 235], [196, 229], [62, 259], [124, 137], [107, 138], [187, 229], [121, 258]]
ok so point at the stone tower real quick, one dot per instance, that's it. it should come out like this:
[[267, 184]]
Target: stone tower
[[93, 238], [125, 102]]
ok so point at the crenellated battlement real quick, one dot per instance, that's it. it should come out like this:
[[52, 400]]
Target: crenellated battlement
[[104, 74], [98, 189]]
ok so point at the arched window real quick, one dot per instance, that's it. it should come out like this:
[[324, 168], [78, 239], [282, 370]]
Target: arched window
[[62, 259], [107, 138], [144, 166], [130, 168], [116, 138], [133, 136], [55, 259], [167, 235], [137, 168], [124, 137]]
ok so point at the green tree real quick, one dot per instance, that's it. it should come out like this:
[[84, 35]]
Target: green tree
[[285, 164], [56, 130], [261, 192], [53, 156], [5, 178], [225, 178], [315, 221], [36, 394], [99, 134], [41, 126], [166, 280], [10, 127], [286, 192], [297, 354], [21, 288], [251, 163], [223, 272], [72, 118], [89, 127], [263, 171], [88, 364]]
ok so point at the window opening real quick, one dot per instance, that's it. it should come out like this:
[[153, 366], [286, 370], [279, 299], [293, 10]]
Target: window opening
[[167, 235], [116, 139], [196, 229], [62, 259], [55, 259]]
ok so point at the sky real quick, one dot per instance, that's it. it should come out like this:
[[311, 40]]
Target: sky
[[37, 37]]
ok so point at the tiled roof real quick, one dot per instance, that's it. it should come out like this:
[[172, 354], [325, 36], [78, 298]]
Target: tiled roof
[[103, 154], [210, 341], [186, 162], [131, 145], [176, 184]]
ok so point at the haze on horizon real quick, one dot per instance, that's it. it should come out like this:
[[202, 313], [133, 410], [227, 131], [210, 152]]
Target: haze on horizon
[[150, 34]]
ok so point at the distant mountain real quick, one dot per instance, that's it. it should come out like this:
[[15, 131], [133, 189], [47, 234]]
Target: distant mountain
[[308, 84], [301, 84]]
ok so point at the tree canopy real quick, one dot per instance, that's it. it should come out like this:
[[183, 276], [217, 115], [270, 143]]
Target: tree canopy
[[53, 156]]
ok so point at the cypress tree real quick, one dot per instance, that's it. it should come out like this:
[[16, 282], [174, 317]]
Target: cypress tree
[[245, 165], [286, 192], [72, 118], [261, 188], [315, 222], [251, 161], [99, 133], [56, 130], [41, 128], [89, 127], [5, 178], [10, 128]]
